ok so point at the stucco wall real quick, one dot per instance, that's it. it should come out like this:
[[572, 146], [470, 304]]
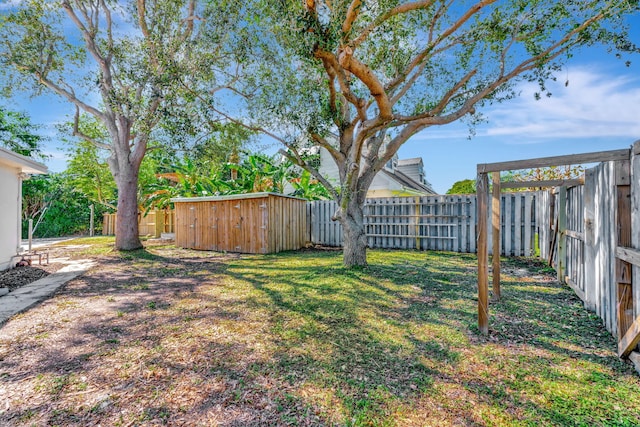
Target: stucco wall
[[9, 215]]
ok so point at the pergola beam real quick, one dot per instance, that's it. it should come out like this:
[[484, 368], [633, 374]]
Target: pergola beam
[[482, 188], [543, 184], [541, 162]]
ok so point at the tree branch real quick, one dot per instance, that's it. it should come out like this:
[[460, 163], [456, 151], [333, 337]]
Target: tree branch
[[79, 134], [352, 15], [70, 96], [252, 127], [430, 49], [109, 27], [146, 34], [332, 90], [415, 125], [343, 81], [548, 54], [400, 9], [88, 34], [369, 79], [337, 156], [297, 159]]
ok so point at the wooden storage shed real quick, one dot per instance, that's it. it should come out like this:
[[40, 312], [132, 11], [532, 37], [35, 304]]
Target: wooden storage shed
[[256, 223]]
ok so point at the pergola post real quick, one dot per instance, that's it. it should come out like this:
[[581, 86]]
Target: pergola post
[[482, 190], [495, 224]]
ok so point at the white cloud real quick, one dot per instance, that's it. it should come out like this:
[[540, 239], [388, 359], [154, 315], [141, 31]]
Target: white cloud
[[594, 104]]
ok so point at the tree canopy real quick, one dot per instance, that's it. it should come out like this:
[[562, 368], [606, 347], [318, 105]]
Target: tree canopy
[[466, 186], [354, 78], [358, 79], [134, 66], [19, 134]]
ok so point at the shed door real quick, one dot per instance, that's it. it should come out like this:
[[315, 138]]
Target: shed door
[[253, 225], [213, 227], [237, 231], [193, 223]]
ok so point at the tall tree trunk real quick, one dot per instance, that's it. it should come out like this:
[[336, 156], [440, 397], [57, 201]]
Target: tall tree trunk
[[124, 164], [127, 238], [355, 238]]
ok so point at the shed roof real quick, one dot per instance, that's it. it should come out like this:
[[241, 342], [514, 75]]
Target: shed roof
[[23, 163], [230, 197]]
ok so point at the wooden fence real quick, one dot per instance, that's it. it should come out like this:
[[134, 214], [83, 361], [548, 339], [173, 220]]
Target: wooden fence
[[591, 235], [153, 224], [445, 223], [578, 237]]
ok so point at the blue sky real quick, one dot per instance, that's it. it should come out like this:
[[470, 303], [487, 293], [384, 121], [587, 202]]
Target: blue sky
[[598, 110]]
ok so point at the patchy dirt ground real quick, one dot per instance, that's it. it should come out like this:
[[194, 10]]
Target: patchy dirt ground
[[81, 356], [21, 276], [184, 338]]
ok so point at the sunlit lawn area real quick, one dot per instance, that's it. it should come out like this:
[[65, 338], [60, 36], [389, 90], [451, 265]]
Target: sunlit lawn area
[[178, 337]]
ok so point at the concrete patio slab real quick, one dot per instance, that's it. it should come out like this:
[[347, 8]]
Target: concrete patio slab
[[26, 296]]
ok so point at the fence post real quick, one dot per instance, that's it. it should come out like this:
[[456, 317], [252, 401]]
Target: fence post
[[589, 240], [495, 224], [624, 297], [159, 223], [30, 233], [416, 219], [562, 233], [635, 221], [91, 219], [482, 188]]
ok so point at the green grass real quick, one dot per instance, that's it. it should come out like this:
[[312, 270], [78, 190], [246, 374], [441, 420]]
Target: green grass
[[95, 246], [297, 339], [95, 240], [380, 343]]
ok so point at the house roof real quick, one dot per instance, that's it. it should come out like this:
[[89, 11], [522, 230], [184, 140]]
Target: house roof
[[407, 181], [412, 161], [23, 163]]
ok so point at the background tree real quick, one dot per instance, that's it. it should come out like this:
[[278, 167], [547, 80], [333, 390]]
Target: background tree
[[306, 187], [141, 57], [466, 186], [551, 173], [87, 168], [218, 144], [251, 173], [358, 79], [19, 135], [56, 206]]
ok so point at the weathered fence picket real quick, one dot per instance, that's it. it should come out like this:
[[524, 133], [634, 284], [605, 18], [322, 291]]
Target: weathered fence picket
[[587, 263], [153, 223], [588, 230], [430, 223]]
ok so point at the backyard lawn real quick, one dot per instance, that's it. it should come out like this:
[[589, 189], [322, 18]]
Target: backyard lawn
[[187, 338]]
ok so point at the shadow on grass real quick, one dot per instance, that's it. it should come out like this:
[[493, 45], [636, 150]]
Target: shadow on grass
[[295, 339]]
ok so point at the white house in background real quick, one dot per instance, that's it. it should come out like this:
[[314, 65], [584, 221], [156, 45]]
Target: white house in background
[[400, 177], [14, 168]]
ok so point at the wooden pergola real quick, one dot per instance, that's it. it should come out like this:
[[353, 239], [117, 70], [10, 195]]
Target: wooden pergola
[[482, 189]]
